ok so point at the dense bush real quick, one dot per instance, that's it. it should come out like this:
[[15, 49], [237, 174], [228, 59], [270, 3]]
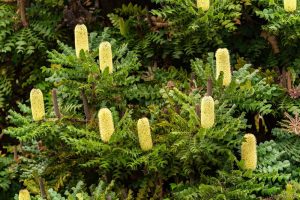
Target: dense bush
[[174, 100]]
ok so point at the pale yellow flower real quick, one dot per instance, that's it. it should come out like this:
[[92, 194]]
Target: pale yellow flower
[[290, 5], [207, 112], [37, 104], [144, 134], [79, 196], [248, 152], [106, 124], [105, 56], [81, 39], [223, 65], [203, 4], [24, 195]]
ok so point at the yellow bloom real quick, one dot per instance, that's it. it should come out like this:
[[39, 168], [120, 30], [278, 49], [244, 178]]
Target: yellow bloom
[[223, 65], [290, 5], [79, 196], [105, 56], [289, 187], [81, 39], [144, 134], [204, 4], [207, 112], [37, 104], [24, 195], [289, 192], [106, 124], [248, 152]]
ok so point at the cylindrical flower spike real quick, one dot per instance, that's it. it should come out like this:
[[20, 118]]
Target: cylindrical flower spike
[[106, 124], [290, 5], [144, 134], [223, 65], [105, 56], [37, 104], [207, 112], [81, 39], [24, 195], [203, 4], [79, 196], [289, 190], [248, 152]]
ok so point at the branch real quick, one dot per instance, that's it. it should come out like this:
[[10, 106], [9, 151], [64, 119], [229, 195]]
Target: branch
[[272, 40], [283, 78], [16, 154], [42, 188], [192, 84], [55, 103], [209, 87], [85, 106], [288, 80], [22, 9]]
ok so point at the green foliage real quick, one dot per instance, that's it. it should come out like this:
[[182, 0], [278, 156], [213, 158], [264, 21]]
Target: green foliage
[[248, 91], [279, 22], [238, 185], [102, 191], [8, 185], [23, 48], [5, 172], [128, 84], [5, 90], [281, 155], [177, 29], [280, 158], [26, 41]]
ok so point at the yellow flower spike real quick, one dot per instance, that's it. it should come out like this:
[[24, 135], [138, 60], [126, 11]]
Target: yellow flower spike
[[105, 56], [106, 124], [144, 134], [290, 5], [24, 195], [289, 192], [223, 65], [79, 196], [81, 38], [248, 152], [37, 104], [207, 112], [289, 187], [203, 4]]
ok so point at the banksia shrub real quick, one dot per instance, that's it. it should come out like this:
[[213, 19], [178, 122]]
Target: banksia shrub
[[105, 56], [248, 152], [290, 5], [144, 134], [207, 112], [37, 104], [223, 65], [106, 124], [203, 4], [24, 195], [81, 39]]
